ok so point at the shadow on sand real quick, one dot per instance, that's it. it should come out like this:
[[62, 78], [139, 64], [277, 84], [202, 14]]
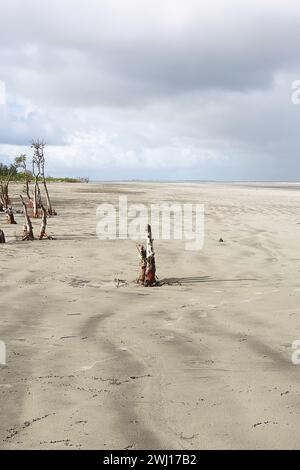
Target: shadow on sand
[[173, 281]]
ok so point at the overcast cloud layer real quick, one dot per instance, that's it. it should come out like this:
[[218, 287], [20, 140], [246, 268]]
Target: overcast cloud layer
[[169, 89]]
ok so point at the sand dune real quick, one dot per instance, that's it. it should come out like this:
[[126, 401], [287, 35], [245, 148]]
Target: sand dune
[[204, 361]]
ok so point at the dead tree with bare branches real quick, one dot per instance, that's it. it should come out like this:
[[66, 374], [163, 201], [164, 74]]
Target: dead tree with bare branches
[[5, 179], [36, 171], [22, 163], [39, 160], [6, 176], [28, 230], [4, 198]]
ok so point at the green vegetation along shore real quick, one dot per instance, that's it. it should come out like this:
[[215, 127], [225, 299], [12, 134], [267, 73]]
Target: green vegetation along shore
[[20, 176]]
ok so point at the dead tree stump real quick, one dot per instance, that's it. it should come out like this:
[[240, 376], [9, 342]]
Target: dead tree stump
[[150, 274], [2, 237], [43, 233], [147, 275], [28, 230], [35, 206], [143, 264], [10, 219]]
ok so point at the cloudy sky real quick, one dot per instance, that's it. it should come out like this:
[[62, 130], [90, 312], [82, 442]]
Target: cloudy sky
[[165, 89]]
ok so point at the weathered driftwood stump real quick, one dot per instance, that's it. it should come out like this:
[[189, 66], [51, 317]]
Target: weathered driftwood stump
[[43, 233], [150, 275], [143, 264], [147, 275], [28, 230], [37, 200], [35, 208], [2, 237], [10, 219], [43, 224], [4, 198]]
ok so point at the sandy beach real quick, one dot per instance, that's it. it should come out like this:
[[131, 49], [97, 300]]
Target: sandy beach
[[201, 362]]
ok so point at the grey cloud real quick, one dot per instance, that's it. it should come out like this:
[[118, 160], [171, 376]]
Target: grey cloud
[[85, 53], [173, 86]]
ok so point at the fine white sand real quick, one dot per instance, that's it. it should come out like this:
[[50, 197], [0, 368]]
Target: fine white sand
[[201, 362]]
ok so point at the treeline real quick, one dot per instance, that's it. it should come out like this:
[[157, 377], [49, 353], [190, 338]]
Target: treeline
[[6, 170], [18, 174]]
